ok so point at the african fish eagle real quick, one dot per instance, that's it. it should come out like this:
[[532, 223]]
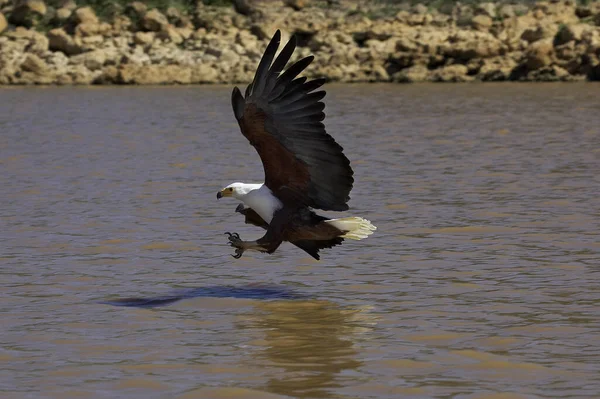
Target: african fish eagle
[[281, 116]]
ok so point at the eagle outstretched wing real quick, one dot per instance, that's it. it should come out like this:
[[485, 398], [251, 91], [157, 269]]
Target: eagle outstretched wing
[[281, 115]]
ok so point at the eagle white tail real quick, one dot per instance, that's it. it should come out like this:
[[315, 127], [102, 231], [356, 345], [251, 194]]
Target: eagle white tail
[[356, 228]]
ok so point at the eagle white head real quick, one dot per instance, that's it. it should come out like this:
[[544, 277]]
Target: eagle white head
[[237, 190]]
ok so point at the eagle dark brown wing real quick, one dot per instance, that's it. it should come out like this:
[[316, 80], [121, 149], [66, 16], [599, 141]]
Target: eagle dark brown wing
[[281, 115]]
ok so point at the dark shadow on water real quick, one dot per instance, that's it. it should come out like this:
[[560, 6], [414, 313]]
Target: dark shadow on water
[[259, 292]]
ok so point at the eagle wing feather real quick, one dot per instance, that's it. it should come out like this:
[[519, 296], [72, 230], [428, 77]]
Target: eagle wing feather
[[281, 116]]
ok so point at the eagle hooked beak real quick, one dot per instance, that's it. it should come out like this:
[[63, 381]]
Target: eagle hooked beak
[[226, 192]]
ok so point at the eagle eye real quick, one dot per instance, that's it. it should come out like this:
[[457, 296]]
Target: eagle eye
[[230, 189]]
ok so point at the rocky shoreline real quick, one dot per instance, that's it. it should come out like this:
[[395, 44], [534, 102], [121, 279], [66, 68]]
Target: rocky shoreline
[[547, 41]]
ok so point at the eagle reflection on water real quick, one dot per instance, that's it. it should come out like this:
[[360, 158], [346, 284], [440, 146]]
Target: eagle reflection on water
[[312, 342]]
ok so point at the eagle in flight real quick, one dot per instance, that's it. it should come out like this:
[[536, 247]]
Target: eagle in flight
[[282, 116]]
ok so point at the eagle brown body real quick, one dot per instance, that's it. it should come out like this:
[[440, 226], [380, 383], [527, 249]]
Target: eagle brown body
[[311, 235]]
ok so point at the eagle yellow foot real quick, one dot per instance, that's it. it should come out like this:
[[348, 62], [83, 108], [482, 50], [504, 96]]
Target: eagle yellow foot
[[236, 242], [241, 246]]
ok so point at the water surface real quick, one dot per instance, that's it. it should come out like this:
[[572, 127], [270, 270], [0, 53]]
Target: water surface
[[482, 280]]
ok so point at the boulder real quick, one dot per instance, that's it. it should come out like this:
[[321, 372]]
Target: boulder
[[28, 12], [35, 64], [143, 38], [535, 33], [594, 73], [3, 23], [416, 73], [244, 7], [496, 69], [67, 4], [487, 9], [92, 60], [109, 75], [419, 9], [85, 15], [170, 34], [552, 73], [29, 39], [59, 40], [154, 21], [80, 75], [481, 22], [62, 15], [539, 54], [204, 73], [506, 11], [569, 33], [121, 24], [154, 74], [58, 61], [297, 5], [451, 73]]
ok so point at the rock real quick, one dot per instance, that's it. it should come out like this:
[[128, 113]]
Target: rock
[[297, 5], [62, 15], [419, 9], [205, 74], [154, 74], [506, 11], [58, 60], [28, 13], [80, 75], [173, 15], [109, 75], [462, 14], [416, 73], [67, 4], [569, 33], [3, 23], [583, 11], [185, 33], [59, 40], [121, 24], [143, 38], [552, 73], [90, 29], [487, 9], [154, 21], [496, 69], [136, 10], [32, 41], [539, 54], [451, 73], [594, 73], [378, 73], [35, 64], [243, 7], [85, 15], [92, 60], [465, 46], [534, 34], [169, 33], [481, 22]]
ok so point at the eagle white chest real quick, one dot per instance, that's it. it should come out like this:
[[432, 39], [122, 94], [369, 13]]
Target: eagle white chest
[[263, 202]]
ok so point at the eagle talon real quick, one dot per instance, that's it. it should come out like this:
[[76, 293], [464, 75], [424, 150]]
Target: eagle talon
[[234, 240], [238, 253]]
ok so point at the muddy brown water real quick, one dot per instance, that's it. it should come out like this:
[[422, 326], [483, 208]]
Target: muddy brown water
[[482, 280]]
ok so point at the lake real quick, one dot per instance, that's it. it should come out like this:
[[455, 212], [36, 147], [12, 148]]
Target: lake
[[482, 280]]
